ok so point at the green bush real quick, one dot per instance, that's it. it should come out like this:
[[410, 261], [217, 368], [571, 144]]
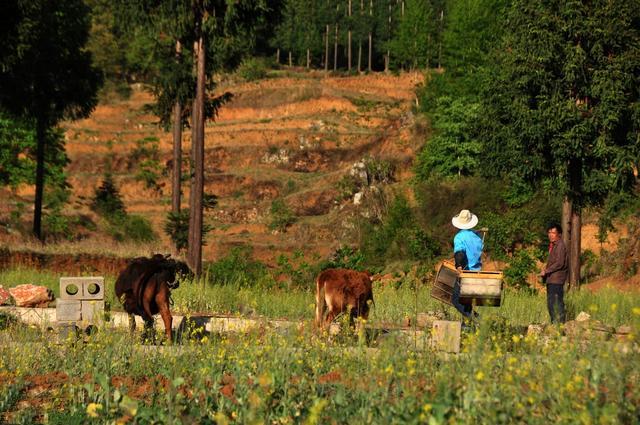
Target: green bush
[[240, 269], [146, 159], [251, 69], [345, 257], [107, 200], [347, 186], [520, 266], [299, 272], [397, 236], [177, 228], [281, 216], [131, 227]]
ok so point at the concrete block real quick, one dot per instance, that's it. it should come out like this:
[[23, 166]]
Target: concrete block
[[68, 310], [446, 336], [93, 289], [82, 288], [92, 310]]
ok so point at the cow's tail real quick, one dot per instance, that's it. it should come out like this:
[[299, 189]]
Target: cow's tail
[[320, 301]]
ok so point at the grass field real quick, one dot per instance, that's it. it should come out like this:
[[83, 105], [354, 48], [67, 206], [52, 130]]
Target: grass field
[[502, 375]]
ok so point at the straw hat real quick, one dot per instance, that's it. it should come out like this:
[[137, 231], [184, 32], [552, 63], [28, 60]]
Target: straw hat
[[465, 220]]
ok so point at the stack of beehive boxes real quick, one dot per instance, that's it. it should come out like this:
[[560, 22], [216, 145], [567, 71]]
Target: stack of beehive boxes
[[81, 302]]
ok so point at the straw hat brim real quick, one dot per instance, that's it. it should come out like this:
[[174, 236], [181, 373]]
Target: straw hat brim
[[464, 226]]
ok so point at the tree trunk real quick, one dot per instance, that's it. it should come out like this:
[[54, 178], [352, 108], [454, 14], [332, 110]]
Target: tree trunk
[[326, 50], [192, 168], [370, 38], [278, 56], [177, 157], [387, 58], [41, 134], [574, 256], [359, 56], [290, 59], [566, 221], [335, 51], [195, 232], [177, 148], [440, 39], [349, 40], [308, 58]]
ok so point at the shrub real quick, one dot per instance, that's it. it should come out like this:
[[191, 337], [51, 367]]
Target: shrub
[[520, 266], [146, 158], [131, 227], [251, 69], [297, 269], [347, 186], [281, 216], [239, 268], [176, 227], [107, 200], [345, 257], [397, 236], [379, 170]]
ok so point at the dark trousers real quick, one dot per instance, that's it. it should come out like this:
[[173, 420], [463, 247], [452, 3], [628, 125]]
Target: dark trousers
[[466, 310], [555, 302]]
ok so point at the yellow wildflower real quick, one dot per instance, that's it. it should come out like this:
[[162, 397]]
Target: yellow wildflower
[[93, 410], [636, 311], [479, 376]]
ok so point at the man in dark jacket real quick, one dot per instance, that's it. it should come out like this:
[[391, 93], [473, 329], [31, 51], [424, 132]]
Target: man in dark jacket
[[555, 274]]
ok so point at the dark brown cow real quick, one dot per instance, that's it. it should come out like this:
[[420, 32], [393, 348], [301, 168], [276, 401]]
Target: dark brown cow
[[342, 290], [144, 286]]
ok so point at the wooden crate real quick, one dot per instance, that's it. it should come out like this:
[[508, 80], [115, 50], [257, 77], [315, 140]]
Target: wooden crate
[[483, 288], [442, 288]]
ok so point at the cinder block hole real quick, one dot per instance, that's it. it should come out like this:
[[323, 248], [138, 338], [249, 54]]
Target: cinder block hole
[[93, 288], [71, 289]]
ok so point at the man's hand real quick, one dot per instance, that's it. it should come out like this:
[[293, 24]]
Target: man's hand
[[543, 273]]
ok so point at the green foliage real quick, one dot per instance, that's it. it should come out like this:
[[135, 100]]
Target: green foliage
[[239, 269], [107, 200], [347, 186], [453, 151], [177, 228], [18, 154], [146, 159], [397, 236], [413, 44], [345, 257], [379, 170], [281, 216], [131, 227], [298, 272], [252, 69], [520, 267], [561, 108]]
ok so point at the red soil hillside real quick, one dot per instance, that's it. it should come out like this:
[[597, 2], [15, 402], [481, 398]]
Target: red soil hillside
[[290, 137]]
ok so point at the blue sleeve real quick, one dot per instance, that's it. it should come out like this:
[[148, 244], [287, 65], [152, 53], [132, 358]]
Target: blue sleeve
[[458, 243]]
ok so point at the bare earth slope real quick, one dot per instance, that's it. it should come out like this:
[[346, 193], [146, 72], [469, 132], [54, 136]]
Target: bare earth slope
[[289, 137]]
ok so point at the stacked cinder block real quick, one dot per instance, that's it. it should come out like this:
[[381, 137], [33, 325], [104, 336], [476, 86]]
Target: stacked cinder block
[[81, 301]]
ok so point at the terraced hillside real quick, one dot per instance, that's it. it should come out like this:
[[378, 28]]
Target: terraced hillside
[[290, 137]]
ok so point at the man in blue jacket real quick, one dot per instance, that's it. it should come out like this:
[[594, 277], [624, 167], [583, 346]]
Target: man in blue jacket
[[467, 252]]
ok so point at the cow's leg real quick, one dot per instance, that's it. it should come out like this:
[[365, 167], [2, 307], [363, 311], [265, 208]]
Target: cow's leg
[[147, 314], [330, 316], [148, 334], [162, 300], [132, 323]]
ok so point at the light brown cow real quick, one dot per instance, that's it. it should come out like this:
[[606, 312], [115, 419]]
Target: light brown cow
[[342, 290]]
